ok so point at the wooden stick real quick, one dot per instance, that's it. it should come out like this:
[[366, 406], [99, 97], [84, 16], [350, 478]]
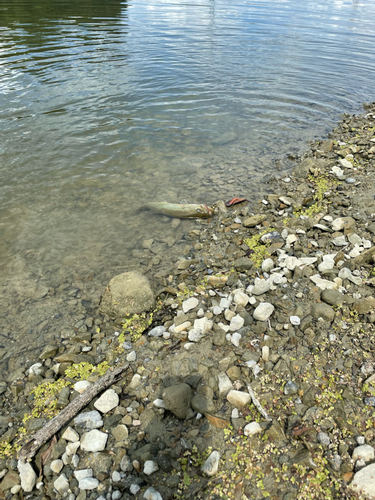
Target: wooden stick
[[257, 404], [43, 435]]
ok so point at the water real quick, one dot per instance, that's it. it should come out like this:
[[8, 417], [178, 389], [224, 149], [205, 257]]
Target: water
[[104, 107]]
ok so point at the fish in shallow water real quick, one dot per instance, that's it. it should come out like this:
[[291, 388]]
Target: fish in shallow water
[[180, 211]]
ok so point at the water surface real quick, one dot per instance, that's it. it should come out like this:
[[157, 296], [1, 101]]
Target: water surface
[[104, 107]]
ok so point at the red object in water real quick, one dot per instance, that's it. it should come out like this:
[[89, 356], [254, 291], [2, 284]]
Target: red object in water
[[234, 201]]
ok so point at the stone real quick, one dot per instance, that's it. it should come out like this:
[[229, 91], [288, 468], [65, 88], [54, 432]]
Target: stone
[[324, 284], [107, 401], [88, 483], [81, 386], [332, 297], [235, 339], [132, 356], [260, 287], [120, 433], [225, 384], [364, 306], [340, 241], [211, 465], [322, 310], [202, 404], [71, 448], [94, 440], [295, 320], [36, 369], [134, 488], [238, 398], [126, 294], [152, 494], [81, 474], [343, 223], [236, 323], [263, 311], [364, 452], [252, 428], [240, 298], [150, 466], [157, 331], [290, 388], [56, 466], [265, 353], [254, 220], [345, 163], [364, 482], [323, 438], [189, 304], [177, 399], [49, 351], [89, 420], [70, 435], [27, 476], [61, 484]]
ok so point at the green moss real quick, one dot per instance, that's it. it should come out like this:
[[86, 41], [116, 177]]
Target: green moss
[[259, 250], [322, 184]]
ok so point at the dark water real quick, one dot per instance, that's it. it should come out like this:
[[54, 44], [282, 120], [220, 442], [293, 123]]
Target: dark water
[[105, 105]]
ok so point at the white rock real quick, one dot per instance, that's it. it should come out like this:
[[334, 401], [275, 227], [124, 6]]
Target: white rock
[[195, 335], [265, 353], [225, 384], [132, 356], [16, 488], [150, 467], [89, 420], [355, 239], [157, 331], [188, 345], [216, 310], [81, 386], [345, 273], [116, 495], [159, 403], [263, 311], [116, 476], [364, 482], [88, 483], [81, 474], [70, 435], [236, 323], [211, 465], [107, 401], [252, 428], [134, 488], [223, 327], [71, 448], [292, 238], [56, 466], [355, 251], [324, 284], [94, 441], [238, 398], [203, 324], [337, 171], [182, 328], [225, 302], [364, 452], [260, 287], [327, 264], [200, 313], [75, 461], [345, 163], [190, 304], [36, 369], [267, 265], [339, 241], [240, 298], [366, 243], [152, 494], [236, 337], [295, 320], [61, 484], [27, 476]]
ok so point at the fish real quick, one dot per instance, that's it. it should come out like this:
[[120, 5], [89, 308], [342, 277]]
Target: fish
[[180, 211]]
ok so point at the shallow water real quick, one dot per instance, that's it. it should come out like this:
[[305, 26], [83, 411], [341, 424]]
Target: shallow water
[[105, 107]]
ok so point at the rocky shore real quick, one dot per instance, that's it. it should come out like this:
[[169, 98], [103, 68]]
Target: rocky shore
[[252, 362]]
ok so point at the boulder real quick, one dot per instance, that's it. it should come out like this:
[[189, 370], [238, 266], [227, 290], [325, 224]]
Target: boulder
[[127, 293]]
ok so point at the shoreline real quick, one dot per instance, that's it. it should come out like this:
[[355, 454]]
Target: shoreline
[[277, 294]]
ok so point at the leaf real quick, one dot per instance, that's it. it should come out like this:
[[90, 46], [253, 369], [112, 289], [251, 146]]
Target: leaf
[[46, 455], [220, 423]]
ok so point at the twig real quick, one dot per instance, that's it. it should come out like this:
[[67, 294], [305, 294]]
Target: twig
[[43, 435], [257, 404]]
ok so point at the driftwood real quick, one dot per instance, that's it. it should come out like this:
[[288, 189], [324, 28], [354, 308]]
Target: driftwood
[[259, 407], [43, 435]]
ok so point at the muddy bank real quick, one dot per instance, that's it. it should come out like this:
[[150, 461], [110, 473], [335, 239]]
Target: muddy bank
[[277, 294]]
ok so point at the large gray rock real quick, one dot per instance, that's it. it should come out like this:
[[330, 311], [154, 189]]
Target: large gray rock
[[27, 476], [177, 399], [363, 481], [127, 293]]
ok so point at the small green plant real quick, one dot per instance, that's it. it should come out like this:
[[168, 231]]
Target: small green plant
[[259, 250]]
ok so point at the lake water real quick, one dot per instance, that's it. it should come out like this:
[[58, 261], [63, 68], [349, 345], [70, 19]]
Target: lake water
[[107, 105]]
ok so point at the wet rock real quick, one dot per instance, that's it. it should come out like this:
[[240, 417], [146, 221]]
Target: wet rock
[[127, 293], [211, 465], [177, 399], [49, 352], [254, 220]]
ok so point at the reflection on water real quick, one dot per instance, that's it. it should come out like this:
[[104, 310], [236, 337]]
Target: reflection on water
[[106, 105]]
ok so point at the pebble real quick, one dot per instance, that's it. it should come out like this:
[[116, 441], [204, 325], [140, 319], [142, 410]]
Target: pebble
[[150, 466], [267, 265], [252, 428], [295, 320], [360, 440], [260, 287], [56, 466], [236, 323], [61, 484], [94, 441], [363, 481], [265, 353], [27, 476], [236, 337], [339, 241], [364, 452], [88, 483], [152, 494], [134, 488], [70, 435], [81, 474], [211, 465], [240, 298], [157, 331], [290, 388], [81, 386], [350, 180], [239, 398], [107, 401], [323, 438], [216, 310], [189, 304], [345, 163], [225, 384], [263, 311], [132, 356]]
